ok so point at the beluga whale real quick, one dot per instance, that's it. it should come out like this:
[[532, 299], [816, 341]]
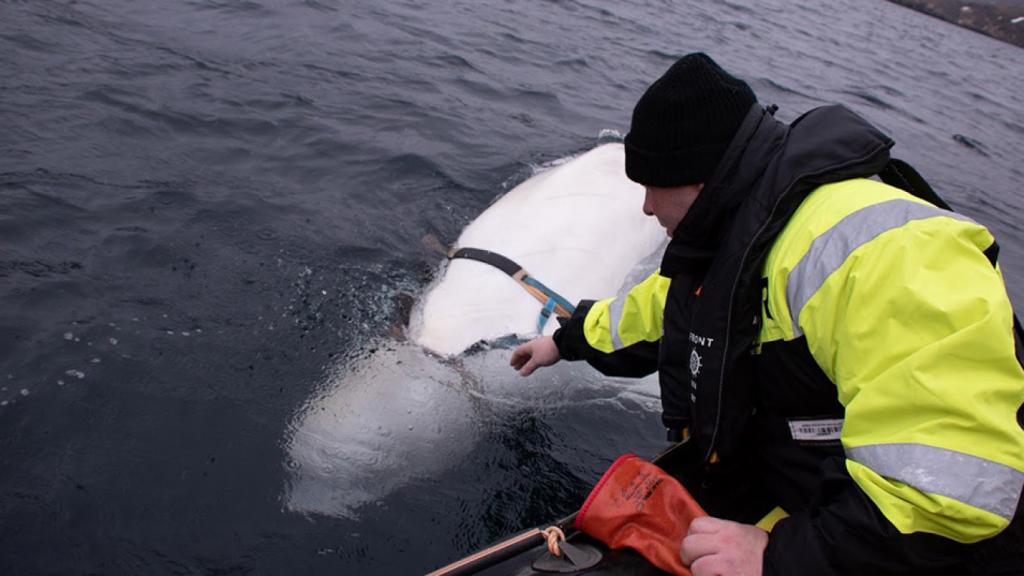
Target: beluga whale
[[408, 408]]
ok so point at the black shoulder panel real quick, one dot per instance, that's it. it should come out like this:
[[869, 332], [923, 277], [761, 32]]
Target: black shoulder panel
[[903, 176]]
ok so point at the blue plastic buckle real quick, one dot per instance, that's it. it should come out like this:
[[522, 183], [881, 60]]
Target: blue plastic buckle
[[545, 313]]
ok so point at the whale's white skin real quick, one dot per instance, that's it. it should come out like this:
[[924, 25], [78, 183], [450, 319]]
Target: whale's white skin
[[400, 416], [578, 228], [379, 423], [406, 410]]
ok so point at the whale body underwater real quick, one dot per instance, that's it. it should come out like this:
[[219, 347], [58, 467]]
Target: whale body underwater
[[403, 410]]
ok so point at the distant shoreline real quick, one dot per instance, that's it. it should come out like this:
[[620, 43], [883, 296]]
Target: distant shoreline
[[1002, 20]]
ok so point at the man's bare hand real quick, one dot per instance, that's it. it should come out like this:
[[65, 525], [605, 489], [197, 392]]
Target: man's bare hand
[[540, 351], [715, 547]]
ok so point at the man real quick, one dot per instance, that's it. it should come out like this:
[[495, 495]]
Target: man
[[832, 344]]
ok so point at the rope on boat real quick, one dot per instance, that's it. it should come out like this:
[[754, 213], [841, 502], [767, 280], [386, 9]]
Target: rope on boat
[[554, 535]]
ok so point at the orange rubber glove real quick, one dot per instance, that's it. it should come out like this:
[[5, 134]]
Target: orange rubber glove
[[638, 505]]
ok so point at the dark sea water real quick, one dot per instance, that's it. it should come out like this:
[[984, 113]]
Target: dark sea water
[[206, 206]]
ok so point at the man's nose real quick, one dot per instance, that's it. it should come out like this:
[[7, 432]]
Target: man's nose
[[648, 210]]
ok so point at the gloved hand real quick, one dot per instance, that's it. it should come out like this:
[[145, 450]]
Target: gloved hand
[[638, 505]]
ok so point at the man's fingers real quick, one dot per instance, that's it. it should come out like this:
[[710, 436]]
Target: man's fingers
[[696, 546], [705, 525], [706, 566], [716, 547], [519, 357], [541, 351], [528, 368]]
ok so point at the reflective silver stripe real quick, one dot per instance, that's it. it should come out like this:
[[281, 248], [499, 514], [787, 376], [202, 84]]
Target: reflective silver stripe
[[984, 484], [828, 251], [615, 316]]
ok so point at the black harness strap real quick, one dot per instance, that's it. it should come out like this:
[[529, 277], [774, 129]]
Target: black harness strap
[[552, 301], [487, 257]]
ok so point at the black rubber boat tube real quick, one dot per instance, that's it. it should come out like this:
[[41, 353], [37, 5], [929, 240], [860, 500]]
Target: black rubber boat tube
[[512, 547], [500, 552]]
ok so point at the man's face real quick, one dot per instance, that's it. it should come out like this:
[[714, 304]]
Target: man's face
[[670, 205]]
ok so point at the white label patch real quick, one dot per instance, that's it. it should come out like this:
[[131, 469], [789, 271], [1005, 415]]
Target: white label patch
[[816, 430]]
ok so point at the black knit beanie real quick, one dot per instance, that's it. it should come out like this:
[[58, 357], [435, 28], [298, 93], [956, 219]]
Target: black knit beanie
[[684, 122]]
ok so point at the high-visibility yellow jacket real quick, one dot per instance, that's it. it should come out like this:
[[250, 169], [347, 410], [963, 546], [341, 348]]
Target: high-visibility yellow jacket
[[888, 395]]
